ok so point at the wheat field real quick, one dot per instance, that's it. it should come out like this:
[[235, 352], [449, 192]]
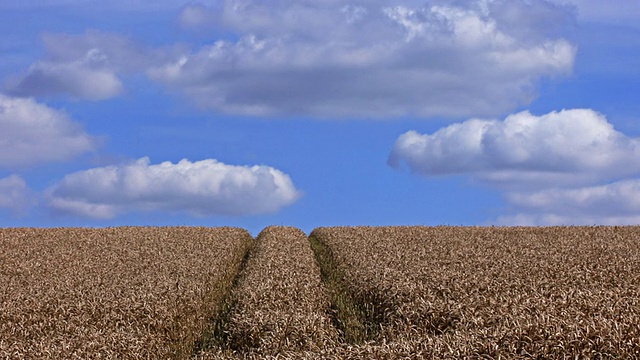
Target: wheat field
[[280, 304], [134, 293], [471, 292], [339, 293]]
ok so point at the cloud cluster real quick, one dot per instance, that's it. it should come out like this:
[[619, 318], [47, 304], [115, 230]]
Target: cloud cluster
[[333, 59], [371, 59], [337, 59], [569, 166], [33, 133], [201, 188]]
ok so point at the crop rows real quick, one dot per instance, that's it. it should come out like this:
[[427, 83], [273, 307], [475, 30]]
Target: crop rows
[[341, 293], [112, 293], [280, 307], [454, 292]]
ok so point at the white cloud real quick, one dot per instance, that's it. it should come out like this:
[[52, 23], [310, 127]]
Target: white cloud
[[80, 79], [566, 167], [372, 59], [14, 194], [202, 188], [622, 197], [617, 203], [335, 58], [84, 66], [33, 133], [568, 147], [552, 219]]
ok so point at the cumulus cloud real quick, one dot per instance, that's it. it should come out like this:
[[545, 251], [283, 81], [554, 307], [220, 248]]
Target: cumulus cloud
[[33, 133], [203, 188], [566, 167], [338, 58], [570, 147], [372, 59], [14, 194], [86, 66]]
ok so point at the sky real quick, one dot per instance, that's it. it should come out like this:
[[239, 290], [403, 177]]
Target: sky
[[319, 113]]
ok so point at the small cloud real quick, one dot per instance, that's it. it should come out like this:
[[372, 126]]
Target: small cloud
[[612, 204], [201, 188], [86, 66], [79, 79], [15, 195], [196, 15], [33, 133]]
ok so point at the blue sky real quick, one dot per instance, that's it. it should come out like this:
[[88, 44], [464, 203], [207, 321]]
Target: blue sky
[[306, 113]]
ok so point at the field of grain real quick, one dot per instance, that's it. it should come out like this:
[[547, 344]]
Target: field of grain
[[129, 292], [280, 307], [453, 292], [340, 293]]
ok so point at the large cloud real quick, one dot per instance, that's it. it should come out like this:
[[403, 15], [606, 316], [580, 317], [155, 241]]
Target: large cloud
[[14, 194], [372, 59], [33, 133], [569, 147], [566, 167], [333, 58], [202, 188]]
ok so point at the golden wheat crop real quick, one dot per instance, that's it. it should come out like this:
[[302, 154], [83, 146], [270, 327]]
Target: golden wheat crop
[[379, 293], [280, 304], [129, 292], [455, 292]]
